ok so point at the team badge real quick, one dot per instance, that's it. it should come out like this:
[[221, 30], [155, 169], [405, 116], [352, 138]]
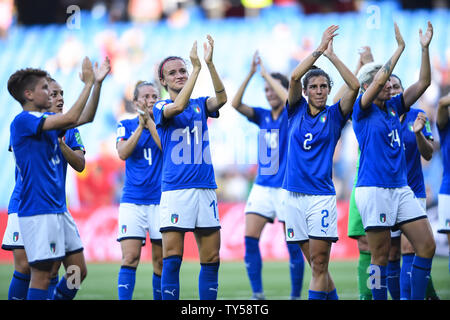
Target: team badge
[[15, 236], [383, 217], [53, 247], [447, 223], [174, 218], [392, 112], [323, 118], [290, 233], [197, 109], [124, 228], [410, 126]]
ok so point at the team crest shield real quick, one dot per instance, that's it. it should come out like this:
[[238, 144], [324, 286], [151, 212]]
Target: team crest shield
[[174, 218], [15, 236]]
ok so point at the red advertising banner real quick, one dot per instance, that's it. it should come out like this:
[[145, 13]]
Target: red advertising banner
[[98, 231]]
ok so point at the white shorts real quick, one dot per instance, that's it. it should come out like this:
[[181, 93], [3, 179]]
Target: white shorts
[[310, 217], [189, 209], [136, 220], [423, 204], [266, 202], [12, 238], [444, 213], [387, 208], [49, 237]]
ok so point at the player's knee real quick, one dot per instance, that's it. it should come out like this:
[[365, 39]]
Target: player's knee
[[210, 257], [130, 259], [426, 249], [319, 264]]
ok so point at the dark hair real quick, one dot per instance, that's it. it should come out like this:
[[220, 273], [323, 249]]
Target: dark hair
[[24, 79], [138, 85], [161, 65], [316, 72], [399, 80], [283, 79]]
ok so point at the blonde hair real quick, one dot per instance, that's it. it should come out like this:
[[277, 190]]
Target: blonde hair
[[367, 73]]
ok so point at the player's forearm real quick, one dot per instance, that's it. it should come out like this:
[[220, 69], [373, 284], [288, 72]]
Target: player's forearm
[[125, 148], [88, 113], [182, 100], [154, 133], [424, 145], [74, 113], [221, 94], [442, 117], [74, 159], [237, 99], [281, 91], [350, 80]]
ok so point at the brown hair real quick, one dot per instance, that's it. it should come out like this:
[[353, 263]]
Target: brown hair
[[24, 79]]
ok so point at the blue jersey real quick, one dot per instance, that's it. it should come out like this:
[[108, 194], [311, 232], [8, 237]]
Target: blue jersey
[[412, 154], [14, 201], [185, 144], [311, 145], [38, 160], [444, 136], [143, 167], [73, 140], [272, 147], [382, 159]]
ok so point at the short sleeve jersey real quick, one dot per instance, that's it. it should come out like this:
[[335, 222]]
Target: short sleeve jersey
[[143, 168], [39, 163], [272, 147], [312, 141], [382, 158], [444, 136], [185, 144], [412, 155]]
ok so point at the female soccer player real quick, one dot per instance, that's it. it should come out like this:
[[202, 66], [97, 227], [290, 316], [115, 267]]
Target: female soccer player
[[139, 145], [188, 199], [71, 152], [264, 202], [382, 194], [418, 141], [443, 125], [314, 129]]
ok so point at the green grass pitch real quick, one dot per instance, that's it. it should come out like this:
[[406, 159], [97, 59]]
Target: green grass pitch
[[101, 282]]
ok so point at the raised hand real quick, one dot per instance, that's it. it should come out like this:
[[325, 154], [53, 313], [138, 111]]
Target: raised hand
[[398, 36], [365, 55], [209, 48], [329, 51], [255, 61], [420, 122], [327, 36], [87, 72], [101, 73], [194, 56], [425, 39]]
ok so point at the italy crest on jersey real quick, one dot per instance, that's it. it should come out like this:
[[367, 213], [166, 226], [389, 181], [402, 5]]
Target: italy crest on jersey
[[382, 217], [323, 118], [290, 233], [392, 112], [53, 247], [15, 236], [174, 218]]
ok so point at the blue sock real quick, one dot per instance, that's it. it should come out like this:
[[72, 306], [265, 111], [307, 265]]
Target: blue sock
[[379, 287], [405, 276], [62, 292], [126, 282], [297, 267], [393, 279], [170, 278], [18, 288], [37, 294], [253, 263], [208, 281], [317, 295], [52, 286], [332, 295], [420, 274], [156, 287]]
